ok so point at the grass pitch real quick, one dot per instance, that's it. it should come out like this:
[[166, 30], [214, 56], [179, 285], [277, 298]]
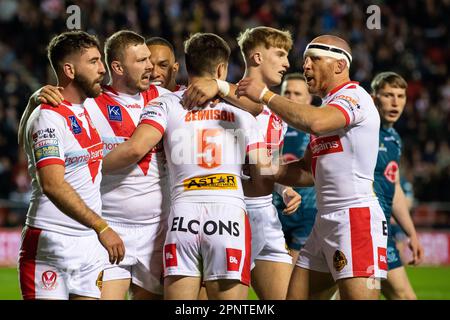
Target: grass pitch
[[430, 283]]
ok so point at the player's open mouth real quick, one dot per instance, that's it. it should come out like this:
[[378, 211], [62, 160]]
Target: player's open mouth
[[309, 79]]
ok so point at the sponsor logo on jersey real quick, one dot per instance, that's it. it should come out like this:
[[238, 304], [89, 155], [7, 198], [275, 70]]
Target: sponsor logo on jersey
[[347, 99], [99, 281], [49, 280], [325, 145], [148, 113], [391, 171], [46, 152], [94, 153], [382, 147], [46, 142], [211, 182], [48, 133], [209, 227], [201, 115], [170, 255], [233, 259], [133, 106], [75, 127], [339, 260], [382, 259], [114, 113]]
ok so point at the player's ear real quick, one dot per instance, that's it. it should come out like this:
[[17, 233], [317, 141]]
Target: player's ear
[[256, 58], [222, 71], [117, 67], [340, 66], [175, 67], [69, 70]]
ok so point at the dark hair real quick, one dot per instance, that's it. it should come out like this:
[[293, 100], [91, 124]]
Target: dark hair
[[391, 78], [118, 42], [158, 41], [294, 76], [68, 43], [203, 52]]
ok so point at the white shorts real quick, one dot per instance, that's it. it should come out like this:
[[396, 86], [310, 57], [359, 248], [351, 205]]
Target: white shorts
[[54, 265], [348, 243], [143, 255], [268, 242], [209, 240]]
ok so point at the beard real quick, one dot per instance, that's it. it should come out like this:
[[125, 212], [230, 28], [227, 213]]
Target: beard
[[88, 87]]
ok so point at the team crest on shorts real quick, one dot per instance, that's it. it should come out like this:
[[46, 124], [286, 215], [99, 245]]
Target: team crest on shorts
[[99, 281], [339, 260], [49, 280]]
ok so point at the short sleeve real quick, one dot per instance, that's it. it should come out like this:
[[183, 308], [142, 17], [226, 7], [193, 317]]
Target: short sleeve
[[156, 114], [349, 103], [46, 133]]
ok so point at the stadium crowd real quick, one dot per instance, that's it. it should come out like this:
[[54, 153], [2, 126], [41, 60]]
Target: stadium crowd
[[413, 41]]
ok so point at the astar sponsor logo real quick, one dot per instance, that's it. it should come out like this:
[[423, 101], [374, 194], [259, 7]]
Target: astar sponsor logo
[[211, 182], [326, 145]]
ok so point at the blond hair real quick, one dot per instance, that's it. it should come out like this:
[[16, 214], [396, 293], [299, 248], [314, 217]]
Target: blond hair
[[265, 36]]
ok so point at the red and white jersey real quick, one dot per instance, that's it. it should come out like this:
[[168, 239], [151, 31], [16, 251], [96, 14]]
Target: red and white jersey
[[273, 129], [180, 87], [343, 161], [63, 135], [133, 195], [205, 149]]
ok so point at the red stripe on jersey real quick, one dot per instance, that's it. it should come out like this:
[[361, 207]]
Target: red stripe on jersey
[[245, 275], [340, 87], [347, 117], [257, 145], [274, 132], [122, 128], [90, 143], [125, 127], [154, 124], [150, 94], [47, 162], [27, 263], [361, 242]]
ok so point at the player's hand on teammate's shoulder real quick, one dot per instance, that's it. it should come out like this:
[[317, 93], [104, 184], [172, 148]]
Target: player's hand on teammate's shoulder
[[112, 242], [251, 89], [292, 200], [417, 251], [199, 93], [49, 94]]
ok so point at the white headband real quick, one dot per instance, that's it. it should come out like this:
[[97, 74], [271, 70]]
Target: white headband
[[326, 50]]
